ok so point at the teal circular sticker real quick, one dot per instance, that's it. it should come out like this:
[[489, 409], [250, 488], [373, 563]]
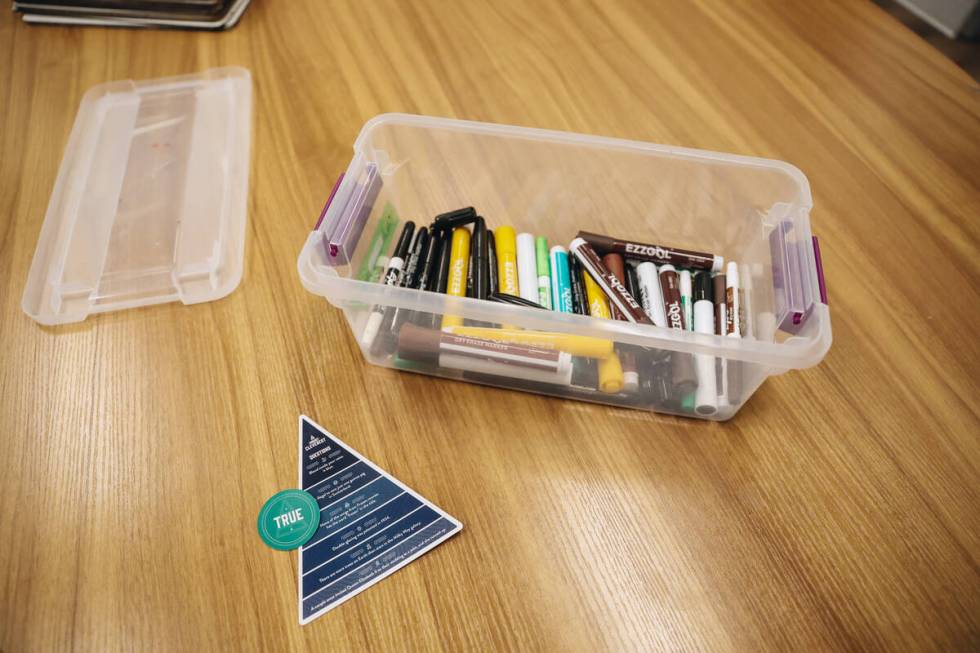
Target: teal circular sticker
[[289, 519]]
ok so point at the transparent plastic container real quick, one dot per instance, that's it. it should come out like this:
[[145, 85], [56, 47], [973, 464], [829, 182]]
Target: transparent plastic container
[[554, 184], [150, 201]]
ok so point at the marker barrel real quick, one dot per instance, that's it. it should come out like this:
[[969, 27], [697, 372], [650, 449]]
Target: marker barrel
[[458, 265], [527, 267], [561, 282], [658, 254]]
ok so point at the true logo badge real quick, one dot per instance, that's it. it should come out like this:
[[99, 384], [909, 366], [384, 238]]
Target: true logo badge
[[288, 519]]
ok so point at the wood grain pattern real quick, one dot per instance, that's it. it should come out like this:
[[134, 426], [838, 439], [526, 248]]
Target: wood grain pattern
[[839, 510]]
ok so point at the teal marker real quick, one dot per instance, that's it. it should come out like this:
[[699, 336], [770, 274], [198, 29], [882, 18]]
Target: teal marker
[[544, 271], [561, 280], [380, 242]]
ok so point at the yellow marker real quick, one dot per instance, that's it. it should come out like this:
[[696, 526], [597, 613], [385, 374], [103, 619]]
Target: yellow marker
[[610, 369], [459, 263], [505, 240], [574, 345]]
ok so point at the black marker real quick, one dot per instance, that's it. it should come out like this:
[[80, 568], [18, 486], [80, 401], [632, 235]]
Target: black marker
[[504, 298], [492, 282], [479, 262], [394, 319], [392, 277], [452, 219]]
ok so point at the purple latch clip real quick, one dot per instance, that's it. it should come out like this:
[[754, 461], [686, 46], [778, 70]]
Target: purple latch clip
[[792, 294]]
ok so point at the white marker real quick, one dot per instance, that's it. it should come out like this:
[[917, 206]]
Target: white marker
[[706, 396], [527, 268], [651, 295]]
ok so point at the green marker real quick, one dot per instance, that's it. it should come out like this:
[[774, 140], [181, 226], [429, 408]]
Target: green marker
[[541, 254], [380, 242]]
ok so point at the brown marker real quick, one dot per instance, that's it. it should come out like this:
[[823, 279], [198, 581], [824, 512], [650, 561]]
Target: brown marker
[[658, 254], [613, 288], [670, 286], [631, 375], [682, 365]]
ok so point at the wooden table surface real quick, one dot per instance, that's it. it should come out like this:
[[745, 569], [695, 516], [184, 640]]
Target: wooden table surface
[[839, 510]]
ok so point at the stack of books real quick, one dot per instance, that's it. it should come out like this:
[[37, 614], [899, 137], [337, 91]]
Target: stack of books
[[183, 14]]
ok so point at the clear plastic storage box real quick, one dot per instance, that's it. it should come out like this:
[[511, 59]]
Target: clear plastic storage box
[[150, 201], [752, 211]]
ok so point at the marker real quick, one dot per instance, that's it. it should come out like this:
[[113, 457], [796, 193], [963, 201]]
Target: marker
[[687, 306], [706, 396], [610, 285], [721, 324], [504, 298], [506, 241], [721, 308], [452, 219], [650, 294], [610, 369], [580, 303], [392, 277], [479, 260], [459, 258], [733, 326], [544, 271], [492, 285], [670, 288], [527, 267], [451, 351], [631, 377], [658, 254], [681, 366], [394, 319], [561, 280], [733, 329], [574, 345], [429, 269], [379, 269], [380, 240]]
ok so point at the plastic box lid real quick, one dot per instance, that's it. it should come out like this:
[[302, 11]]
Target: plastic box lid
[[150, 200]]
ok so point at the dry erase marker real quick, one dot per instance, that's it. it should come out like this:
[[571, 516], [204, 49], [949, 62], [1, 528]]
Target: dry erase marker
[[631, 376], [650, 293], [458, 352], [658, 254], [527, 267], [706, 396], [459, 258], [452, 219], [574, 345], [610, 285], [479, 256], [687, 304], [392, 277], [671, 290], [544, 271], [504, 298], [610, 369], [733, 326], [492, 284], [561, 282], [721, 325], [506, 241], [395, 318], [681, 365], [580, 303]]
